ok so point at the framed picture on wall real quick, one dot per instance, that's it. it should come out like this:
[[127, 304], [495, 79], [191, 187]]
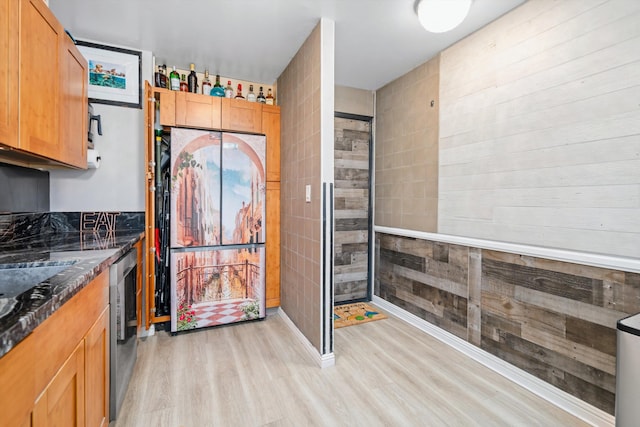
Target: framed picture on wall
[[114, 74]]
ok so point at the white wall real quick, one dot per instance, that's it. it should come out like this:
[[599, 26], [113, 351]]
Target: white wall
[[540, 128], [118, 184]]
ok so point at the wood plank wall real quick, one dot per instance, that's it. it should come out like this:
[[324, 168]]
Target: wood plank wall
[[351, 209], [540, 128], [555, 320]]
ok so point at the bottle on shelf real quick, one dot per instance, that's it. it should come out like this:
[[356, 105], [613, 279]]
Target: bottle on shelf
[[160, 78], [251, 96], [184, 87], [174, 78], [217, 89], [192, 79], [269, 100], [206, 83], [261, 97], [239, 93], [228, 90]]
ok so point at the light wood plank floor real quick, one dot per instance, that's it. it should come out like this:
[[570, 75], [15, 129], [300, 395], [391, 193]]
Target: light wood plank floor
[[387, 373]]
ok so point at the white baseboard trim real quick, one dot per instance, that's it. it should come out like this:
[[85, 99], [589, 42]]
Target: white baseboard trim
[[554, 395], [142, 333], [323, 360]]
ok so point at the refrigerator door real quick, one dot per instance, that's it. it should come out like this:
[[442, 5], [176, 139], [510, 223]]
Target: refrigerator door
[[243, 188], [211, 287], [195, 188]]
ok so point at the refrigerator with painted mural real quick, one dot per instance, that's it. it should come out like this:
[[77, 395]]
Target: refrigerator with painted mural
[[217, 228]]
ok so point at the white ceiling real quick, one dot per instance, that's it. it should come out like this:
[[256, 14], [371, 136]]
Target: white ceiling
[[376, 41]]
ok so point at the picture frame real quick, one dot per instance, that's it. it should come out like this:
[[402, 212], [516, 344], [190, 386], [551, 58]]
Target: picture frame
[[114, 74]]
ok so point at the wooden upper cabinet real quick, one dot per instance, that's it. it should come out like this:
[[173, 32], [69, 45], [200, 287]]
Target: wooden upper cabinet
[[43, 88], [241, 116], [9, 72], [197, 111], [39, 79], [167, 100], [271, 129], [73, 105]]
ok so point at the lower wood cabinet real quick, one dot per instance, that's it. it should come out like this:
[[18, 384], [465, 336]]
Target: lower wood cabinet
[[62, 402], [59, 375], [96, 350]]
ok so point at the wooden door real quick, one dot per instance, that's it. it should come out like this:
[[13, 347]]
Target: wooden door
[[73, 105], [150, 206], [271, 129], [39, 79], [9, 72], [197, 111], [62, 401], [352, 209], [96, 346], [239, 115], [272, 244]]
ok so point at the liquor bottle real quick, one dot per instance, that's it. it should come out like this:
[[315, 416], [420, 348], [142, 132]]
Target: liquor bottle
[[218, 90], [239, 94], [206, 84], [251, 97], [270, 100], [261, 97], [228, 90], [184, 87], [193, 79], [174, 78], [160, 78]]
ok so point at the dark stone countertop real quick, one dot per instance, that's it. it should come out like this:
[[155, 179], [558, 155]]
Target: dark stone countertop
[[91, 254]]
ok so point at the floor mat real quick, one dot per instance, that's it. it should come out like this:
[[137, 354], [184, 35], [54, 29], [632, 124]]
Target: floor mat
[[354, 314]]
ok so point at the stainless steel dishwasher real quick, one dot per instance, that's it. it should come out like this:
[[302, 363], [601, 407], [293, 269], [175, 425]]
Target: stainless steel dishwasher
[[123, 328]]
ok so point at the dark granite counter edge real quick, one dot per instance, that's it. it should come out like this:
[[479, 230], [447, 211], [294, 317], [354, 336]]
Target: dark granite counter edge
[[13, 335]]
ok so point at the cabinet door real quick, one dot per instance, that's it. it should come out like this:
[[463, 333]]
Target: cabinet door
[[271, 129], [39, 79], [273, 245], [62, 402], [241, 116], [167, 106], [96, 347], [9, 72], [150, 207], [197, 111], [73, 105]]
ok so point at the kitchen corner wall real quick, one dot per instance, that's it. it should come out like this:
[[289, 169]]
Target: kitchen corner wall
[[118, 184], [301, 96]]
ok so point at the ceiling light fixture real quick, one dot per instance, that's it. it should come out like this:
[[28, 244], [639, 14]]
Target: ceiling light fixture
[[439, 16]]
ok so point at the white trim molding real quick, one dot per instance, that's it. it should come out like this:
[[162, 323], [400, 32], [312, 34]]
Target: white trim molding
[[571, 404], [587, 258], [323, 360]]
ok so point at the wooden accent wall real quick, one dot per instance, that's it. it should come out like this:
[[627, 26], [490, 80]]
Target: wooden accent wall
[[351, 209], [555, 320]]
